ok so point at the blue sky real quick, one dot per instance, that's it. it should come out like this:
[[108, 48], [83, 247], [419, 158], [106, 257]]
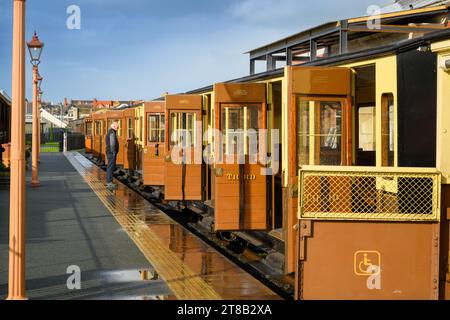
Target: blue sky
[[138, 49]]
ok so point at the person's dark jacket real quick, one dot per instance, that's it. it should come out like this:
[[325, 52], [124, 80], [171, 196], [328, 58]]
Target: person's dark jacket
[[112, 143]]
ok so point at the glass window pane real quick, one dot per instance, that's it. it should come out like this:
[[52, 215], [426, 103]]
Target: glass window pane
[[388, 130], [367, 128], [331, 135], [183, 125], [237, 121], [88, 128], [130, 128], [154, 128], [162, 129], [252, 118], [98, 128], [304, 134]]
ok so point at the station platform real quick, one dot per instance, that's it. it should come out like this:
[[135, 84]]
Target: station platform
[[124, 246]]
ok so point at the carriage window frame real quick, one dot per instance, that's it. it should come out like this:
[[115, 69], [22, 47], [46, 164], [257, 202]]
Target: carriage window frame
[[244, 113], [388, 130], [374, 129], [159, 130], [175, 122], [141, 131], [98, 127], [88, 129], [130, 128]]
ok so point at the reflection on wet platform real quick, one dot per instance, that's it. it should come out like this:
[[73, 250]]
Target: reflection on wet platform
[[191, 268]]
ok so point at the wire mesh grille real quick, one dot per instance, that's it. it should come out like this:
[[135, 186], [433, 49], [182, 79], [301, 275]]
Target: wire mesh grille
[[346, 195]]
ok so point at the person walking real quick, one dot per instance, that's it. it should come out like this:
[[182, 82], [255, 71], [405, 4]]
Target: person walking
[[112, 149]]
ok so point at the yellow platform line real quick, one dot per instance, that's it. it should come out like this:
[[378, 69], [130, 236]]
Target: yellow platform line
[[184, 283]]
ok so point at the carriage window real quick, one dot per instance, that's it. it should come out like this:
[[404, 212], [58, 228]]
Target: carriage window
[[156, 128], [98, 128], [319, 136], [88, 128], [304, 132], [367, 128], [240, 124], [183, 124], [388, 130], [130, 129], [141, 128]]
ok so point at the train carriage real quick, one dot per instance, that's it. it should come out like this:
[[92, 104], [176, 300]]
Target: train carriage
[[379, 204], [357, 197], [353, 163]]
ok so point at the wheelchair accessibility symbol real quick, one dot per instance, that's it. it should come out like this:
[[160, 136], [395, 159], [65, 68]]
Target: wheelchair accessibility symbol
[[368, 264]]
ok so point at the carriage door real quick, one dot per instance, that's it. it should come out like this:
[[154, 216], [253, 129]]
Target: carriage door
[[183, 160], [129, 140], [242, 199], [154, 150], [320, 132], [324, 122]]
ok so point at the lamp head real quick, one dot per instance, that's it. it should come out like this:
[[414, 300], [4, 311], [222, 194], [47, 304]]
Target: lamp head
[[35, 47]]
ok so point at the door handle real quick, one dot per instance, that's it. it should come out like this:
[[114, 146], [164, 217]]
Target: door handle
[[218, 172]]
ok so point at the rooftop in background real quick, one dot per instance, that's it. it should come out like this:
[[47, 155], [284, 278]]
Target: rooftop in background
[[392, 25], [97, 104]]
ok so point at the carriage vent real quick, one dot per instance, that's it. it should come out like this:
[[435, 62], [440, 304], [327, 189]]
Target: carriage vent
[[360, 194]]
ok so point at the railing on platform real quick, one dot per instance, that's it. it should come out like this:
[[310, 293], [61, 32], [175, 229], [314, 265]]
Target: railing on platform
[[360, 193], [50, 147], [55, 142], [75, 141]]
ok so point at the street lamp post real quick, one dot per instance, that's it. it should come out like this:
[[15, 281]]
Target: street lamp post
[[35, 47], [16, 276]]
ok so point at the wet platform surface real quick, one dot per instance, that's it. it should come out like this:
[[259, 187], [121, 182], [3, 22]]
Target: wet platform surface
[[68, 225], [190, 267]]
